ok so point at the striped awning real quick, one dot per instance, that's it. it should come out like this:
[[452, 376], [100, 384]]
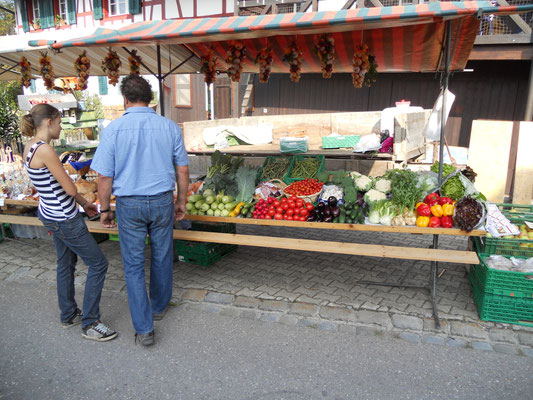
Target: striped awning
[[403, 38]]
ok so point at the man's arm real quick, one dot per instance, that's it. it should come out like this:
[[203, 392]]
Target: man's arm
[[105, 187], [182, 179]]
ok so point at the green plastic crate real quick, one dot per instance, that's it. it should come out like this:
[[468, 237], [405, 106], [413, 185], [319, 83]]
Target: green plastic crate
[[337, 142], [221, 227], [270, 159], [504, 247], [505, 283], [113, 237], [517, 213], [496, 308], [321, 167], [201, 253]]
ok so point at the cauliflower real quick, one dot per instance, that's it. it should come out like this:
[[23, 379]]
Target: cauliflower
[[363, 183], [383, 185], [374, 195]]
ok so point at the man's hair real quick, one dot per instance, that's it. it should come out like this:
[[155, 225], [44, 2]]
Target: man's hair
[[136, 89]]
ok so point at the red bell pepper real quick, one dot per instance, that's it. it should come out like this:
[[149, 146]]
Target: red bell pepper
[[434, 222], [432, 203], [431, 197], [446, 221], [445, 200], [423, 210]]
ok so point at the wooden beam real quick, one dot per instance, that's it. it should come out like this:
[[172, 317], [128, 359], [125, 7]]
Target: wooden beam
[[266, 9], [517, 19], [343, 227], [368, 250], [306, 5], [502, 52], [348, 4], [503, 39]]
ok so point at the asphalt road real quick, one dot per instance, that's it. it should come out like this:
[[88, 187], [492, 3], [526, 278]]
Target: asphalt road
[[199, 355]]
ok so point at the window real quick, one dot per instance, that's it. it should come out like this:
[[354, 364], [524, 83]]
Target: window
[[102, 85], [182, 91], [63, 9], [33, 87], [118, 7], [36, 11]]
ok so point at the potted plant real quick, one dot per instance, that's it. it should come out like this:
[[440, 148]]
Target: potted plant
[[36, 23], [59, 21]]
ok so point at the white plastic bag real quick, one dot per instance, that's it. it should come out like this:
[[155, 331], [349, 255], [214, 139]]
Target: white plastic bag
[[432, 129], [367, 143]]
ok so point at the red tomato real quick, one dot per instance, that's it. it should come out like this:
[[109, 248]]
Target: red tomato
[[304, 212], [285, 206], [299, 203], [271, 212], [262, 201], [293, 198], [285, 217], [283, 200], [279, 210], [290, 218], [271, 208], [309, 206], [268, 217], [302, 218], [276, 203], [270, 200], [292, 204], [290, 211], [278, 216]]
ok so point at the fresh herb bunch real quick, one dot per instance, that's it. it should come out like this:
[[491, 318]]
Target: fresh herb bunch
[[468, 213], [404, 188]]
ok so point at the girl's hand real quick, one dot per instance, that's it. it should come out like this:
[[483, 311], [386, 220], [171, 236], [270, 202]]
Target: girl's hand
[[90, 209]]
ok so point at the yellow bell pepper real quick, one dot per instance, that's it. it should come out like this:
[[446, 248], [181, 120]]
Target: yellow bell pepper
[[422, 222], [447, 209], [236, 210], [436, 210]]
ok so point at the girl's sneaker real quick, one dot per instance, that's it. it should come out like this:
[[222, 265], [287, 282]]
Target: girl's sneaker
[[98, 331]]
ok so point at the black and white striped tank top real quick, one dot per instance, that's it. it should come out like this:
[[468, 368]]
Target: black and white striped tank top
[[54, 203]]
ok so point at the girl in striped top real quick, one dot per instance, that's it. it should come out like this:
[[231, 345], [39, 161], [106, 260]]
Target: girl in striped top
[[58, 212]]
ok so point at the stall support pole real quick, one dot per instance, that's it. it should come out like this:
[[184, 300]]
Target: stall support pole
[[434, 267], [160, 78]]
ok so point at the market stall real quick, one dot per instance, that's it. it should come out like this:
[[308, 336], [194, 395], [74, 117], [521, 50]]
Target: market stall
[[426, 37]]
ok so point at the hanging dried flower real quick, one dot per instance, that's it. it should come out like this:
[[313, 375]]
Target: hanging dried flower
[[293, 56], [264, 59], [25, 72], [135, 63], [325, 48], [370, 76], [208, 67], [82, 65], [47, 72], [235, 58], [361, 65], [111, 65]]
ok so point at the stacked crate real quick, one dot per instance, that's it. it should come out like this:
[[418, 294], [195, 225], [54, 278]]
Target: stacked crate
[[504, 296]]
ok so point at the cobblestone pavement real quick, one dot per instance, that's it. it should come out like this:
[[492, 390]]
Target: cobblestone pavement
[[316, 290]]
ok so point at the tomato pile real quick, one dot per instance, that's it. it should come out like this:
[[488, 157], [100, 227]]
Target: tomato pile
[[305, 187], [291, 209]]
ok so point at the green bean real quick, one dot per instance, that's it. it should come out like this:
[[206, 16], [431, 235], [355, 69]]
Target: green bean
[[305, 168], [275, 168]]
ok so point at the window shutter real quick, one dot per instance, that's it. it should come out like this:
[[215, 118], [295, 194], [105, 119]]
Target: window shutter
[[102, 85], [71, 6], [135, 6], [24, 15], [97, 9], [47, 14]]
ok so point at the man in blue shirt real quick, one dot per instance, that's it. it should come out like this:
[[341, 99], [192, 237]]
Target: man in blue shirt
[[140, 158]]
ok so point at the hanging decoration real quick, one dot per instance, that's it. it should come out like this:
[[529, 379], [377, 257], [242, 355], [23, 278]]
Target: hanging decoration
[[264, 59], [82, 65], [325, 48], [208, 67], [110, 65], [25, 72], [235, 58], [135, 63], [293, 55], [47, 72], [370, 76], [361, 65]]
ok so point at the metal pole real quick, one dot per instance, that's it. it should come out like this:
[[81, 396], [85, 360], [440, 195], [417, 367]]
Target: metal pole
[[528, 116], [160, 79]]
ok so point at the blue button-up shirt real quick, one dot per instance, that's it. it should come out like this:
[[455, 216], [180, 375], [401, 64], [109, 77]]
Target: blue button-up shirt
[[140, 151]]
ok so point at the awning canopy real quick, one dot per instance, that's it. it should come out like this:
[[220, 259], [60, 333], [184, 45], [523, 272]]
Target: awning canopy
[[403, 38]]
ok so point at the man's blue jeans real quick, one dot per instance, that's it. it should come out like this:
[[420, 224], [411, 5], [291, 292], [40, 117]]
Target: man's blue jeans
[[72, 239], [138, 216]]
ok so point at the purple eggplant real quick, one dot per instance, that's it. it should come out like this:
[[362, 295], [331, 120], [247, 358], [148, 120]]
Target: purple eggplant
[[327, 211], [332, 201], [328, 218], [312, 218], [335, 211]]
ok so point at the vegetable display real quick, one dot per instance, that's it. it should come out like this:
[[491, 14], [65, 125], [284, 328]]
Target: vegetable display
[[275, 168], [306, 167], [304, 187]]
